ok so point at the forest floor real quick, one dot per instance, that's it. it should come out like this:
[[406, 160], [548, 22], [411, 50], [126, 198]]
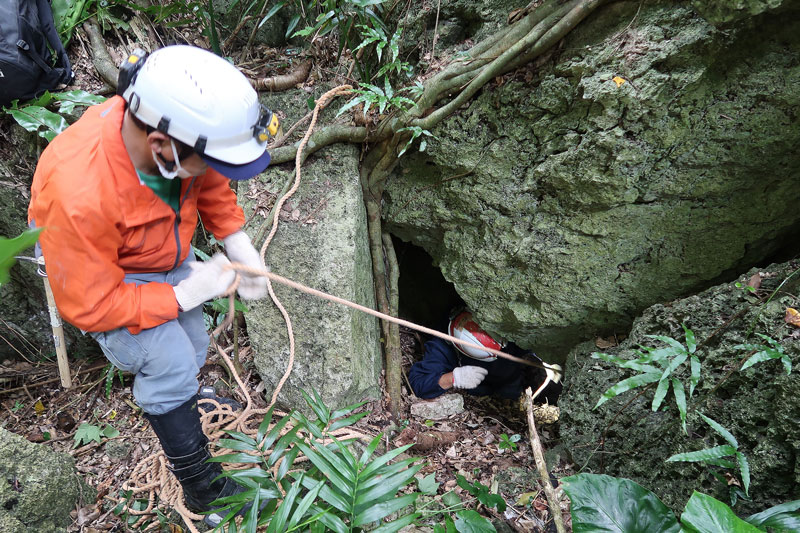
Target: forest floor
[[116, 437]]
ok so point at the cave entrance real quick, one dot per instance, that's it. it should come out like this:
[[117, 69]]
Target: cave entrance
[[425, 296]]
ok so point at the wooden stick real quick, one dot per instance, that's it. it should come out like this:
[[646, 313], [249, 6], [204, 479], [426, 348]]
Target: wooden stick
[[541, 465], [58, 336]]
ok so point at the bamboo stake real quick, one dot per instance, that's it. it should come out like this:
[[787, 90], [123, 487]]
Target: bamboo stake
[[58, 331]]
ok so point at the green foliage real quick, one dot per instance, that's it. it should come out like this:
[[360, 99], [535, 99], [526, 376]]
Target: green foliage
[[9, 248], [35, 116], [383, 99], [509, 443], [716, 455], [67, 14], [416, 132], [128, 503], [740, 285], [17, 406], [766, 352], [112, 371], [87, 433], [668, 360], [341, 491], [428, 484], [482, 493], [601, 503]]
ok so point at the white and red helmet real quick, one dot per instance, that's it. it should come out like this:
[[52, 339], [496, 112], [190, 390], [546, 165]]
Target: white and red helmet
[[463, 327]]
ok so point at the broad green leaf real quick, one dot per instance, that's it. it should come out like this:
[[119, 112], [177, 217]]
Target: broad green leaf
[[378, 476], [11, 247], [287, 439], [34, 117], [398, 524], [694, 362], [328, 495], [680, 401], [783, 518], [70, 99], [724, 463], [264, 426], [633, 364], [390, 485], [744, 469], [603, 503], [382, 460], [370, 449], [627, 384], [492, 500], [276, 525], [451, 499], [707, 515], [342, 466], [724, 433], [380, 510], [288, 462], [707, 454], [669, 340], [428, 484], [346, 410], [304, 505], [691, 342], [236, 458], [86, 433], [469, 521], [345, 422], [330, 472], [661, 391]]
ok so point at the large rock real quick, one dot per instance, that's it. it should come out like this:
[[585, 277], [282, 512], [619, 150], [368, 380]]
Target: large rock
[[321, 243], [760, 405], [38, 487], [562, 202]]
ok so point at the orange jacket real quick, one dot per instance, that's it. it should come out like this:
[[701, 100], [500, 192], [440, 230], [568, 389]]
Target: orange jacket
[[102, 223]]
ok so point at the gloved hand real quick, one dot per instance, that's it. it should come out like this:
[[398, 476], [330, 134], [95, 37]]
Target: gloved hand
[[240, 250], [468, 377], [208, 280]]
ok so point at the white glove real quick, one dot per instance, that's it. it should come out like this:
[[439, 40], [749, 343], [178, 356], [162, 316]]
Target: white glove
[[468, 377], [240, 250], [208, 280]]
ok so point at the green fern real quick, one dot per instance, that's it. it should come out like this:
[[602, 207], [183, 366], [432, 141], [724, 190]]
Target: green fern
[[717, 455], [658, 365], [341, 491]]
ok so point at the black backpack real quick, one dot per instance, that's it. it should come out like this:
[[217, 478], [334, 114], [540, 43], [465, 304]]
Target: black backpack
[[26, 63]]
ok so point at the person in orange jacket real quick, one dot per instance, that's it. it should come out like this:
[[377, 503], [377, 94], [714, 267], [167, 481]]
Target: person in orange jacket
[[118, 194]]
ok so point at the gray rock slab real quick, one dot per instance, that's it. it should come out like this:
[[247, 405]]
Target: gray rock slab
[[321, 243], [438, 408]]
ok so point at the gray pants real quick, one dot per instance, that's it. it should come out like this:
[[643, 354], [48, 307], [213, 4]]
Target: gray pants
[[165, 359]]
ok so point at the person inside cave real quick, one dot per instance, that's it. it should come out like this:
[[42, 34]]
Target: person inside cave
[[446, 365]]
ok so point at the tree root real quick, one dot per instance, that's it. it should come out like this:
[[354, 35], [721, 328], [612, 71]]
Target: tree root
[[284, 81], [101, 59]]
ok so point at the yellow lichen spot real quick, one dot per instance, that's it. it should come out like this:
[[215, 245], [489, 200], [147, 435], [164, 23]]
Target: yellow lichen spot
[[618, 80], [792, 317]]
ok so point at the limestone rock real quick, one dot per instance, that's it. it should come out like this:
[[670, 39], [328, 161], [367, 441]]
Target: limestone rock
[[38, 487], [760, 406], [438, 408], [321, 243], [562, 203]]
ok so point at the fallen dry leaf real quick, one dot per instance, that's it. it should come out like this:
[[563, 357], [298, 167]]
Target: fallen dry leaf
[[605, 343], [618, 80], [755, 281], [792, 317]]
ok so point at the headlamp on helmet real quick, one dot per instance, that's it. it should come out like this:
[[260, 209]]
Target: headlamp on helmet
[[464, 327]]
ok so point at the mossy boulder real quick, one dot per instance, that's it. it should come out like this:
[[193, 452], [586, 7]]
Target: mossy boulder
[[322, 243], [38, 487], [760, 405], [650, 156]]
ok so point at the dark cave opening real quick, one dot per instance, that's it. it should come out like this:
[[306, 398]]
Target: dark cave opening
[[426, 297]]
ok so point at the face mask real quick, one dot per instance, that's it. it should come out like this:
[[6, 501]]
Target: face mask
[[177, 170]]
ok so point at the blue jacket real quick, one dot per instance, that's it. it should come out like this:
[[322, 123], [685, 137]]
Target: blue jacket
[[506, 379]]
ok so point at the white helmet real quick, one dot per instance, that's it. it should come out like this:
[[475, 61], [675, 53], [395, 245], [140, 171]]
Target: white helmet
[[463, 327], [200, 99]]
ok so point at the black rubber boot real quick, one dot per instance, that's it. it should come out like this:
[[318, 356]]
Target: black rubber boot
[[186, 447], [208, 393]]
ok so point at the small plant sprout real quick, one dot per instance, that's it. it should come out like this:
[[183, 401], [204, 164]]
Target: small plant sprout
[[658, 365], [509, 443], [416, 132]]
